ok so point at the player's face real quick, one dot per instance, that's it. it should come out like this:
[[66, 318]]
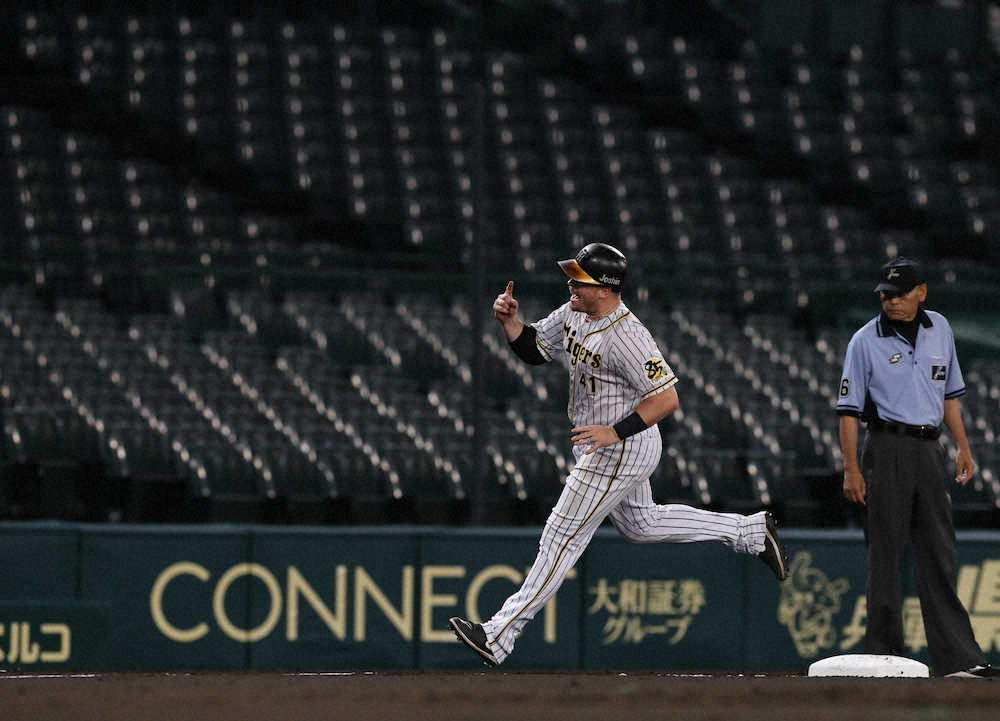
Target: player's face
[[583, 297], [903, 306]]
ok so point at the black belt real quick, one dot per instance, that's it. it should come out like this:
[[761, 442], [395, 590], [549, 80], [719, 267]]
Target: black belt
[[927, 433]]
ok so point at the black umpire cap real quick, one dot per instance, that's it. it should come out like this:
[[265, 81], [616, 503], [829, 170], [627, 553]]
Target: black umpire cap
[[900, 276], [597, 264]]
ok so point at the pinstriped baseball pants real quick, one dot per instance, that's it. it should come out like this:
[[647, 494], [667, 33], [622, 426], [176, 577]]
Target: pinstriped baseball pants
[[613, 481]]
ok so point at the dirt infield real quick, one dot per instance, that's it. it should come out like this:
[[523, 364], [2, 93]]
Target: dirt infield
[[487, 696]]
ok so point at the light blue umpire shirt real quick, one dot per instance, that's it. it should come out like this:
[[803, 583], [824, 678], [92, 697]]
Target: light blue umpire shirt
[[905, 384]]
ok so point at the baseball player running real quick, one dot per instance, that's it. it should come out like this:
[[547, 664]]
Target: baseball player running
[[620, 388]]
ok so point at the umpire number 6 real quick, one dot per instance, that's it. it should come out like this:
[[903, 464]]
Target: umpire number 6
[[845, 387]]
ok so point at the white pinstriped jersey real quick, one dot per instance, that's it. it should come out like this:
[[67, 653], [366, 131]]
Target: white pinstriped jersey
[[613, 362], [613, 365]]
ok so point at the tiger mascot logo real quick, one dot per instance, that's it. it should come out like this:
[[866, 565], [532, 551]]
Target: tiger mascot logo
[[809, 601]]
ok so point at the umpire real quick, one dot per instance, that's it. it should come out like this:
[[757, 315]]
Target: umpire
[[901, 377]]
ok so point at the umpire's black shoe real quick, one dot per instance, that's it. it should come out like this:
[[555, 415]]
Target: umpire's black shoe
[[981, 671], [473, 636], [773, 555]]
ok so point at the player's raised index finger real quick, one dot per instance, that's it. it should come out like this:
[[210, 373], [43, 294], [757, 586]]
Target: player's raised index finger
[[510, 288]]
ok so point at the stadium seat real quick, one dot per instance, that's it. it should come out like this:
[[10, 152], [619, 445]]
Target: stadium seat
[[231, 281]]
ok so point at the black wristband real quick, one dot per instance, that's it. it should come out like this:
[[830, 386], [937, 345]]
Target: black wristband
[[630, 425]]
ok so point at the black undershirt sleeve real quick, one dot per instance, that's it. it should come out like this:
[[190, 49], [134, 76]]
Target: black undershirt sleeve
[[525, 348]]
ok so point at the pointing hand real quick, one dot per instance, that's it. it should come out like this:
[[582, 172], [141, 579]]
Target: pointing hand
[[505, 306]]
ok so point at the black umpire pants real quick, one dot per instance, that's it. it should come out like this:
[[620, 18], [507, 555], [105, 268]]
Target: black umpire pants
[[908, 501]]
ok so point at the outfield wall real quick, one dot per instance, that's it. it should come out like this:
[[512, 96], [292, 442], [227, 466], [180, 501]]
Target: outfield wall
[[100, 597]]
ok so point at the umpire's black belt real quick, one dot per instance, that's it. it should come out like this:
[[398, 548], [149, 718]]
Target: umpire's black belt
[[927, 433]]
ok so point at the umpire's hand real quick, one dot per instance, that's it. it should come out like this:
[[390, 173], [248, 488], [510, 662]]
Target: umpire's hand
[[854, 485], [964, 466]]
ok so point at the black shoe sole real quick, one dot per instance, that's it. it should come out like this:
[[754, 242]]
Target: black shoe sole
[[779, 552], [487, 657]]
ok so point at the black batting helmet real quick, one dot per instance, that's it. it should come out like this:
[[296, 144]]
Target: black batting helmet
[[597, 264]]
